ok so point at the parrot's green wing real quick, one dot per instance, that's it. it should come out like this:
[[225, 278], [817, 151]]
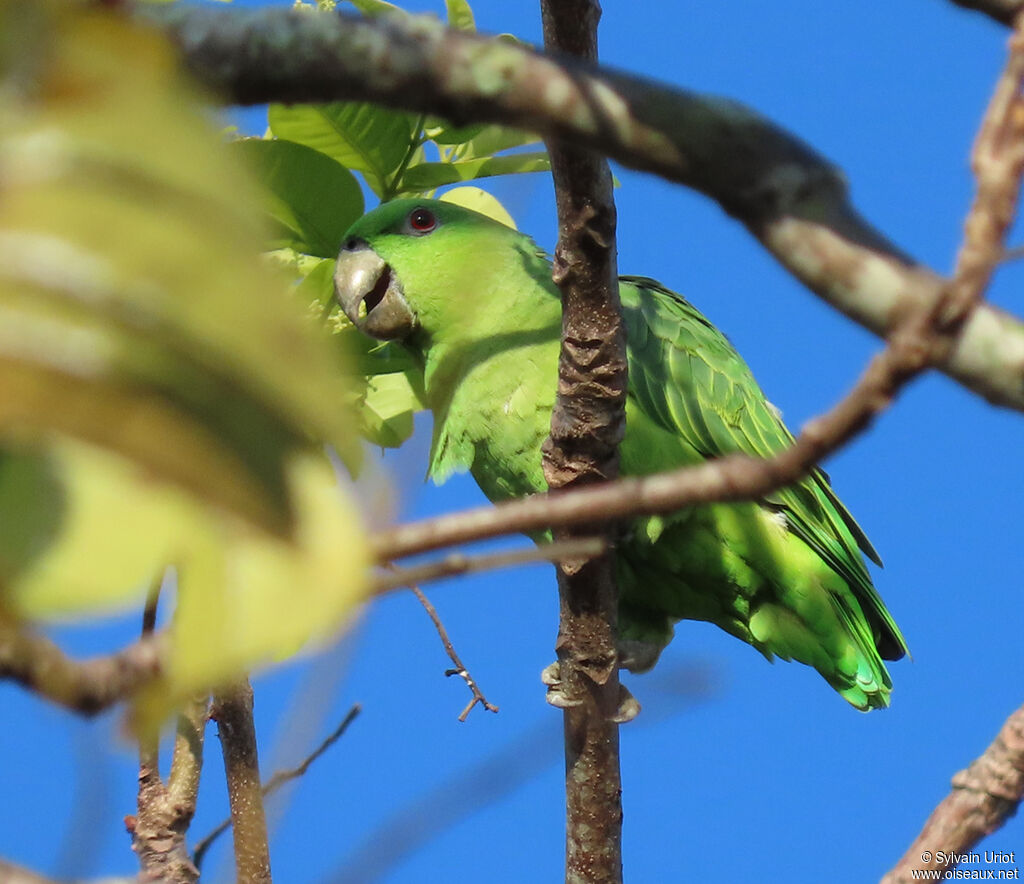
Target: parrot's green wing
[[720, 409]]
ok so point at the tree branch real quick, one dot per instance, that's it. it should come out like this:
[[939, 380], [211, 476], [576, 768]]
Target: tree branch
[[279, 779], [165, 811], [588, 422], [984, 796], [232, 710], [787, 195], [454, 564], [87, 686], [1003, 11], [460, 669]]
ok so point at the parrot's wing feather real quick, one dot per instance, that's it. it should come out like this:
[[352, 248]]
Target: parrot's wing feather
[[718, 408]]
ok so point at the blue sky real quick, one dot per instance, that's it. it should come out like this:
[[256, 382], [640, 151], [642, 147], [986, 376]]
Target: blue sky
[[736, 769]]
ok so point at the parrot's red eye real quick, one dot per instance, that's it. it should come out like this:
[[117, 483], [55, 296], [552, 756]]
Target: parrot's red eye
[[422, 220]]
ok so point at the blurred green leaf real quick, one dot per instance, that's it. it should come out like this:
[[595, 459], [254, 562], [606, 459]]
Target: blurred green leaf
[[460, 16], [388, 408], [427, 176], [361, 137], [312, 198], [163, 398]]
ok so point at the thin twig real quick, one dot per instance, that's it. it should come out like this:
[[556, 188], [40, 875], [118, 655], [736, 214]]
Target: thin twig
[[277, 780], [733, 477], [232, 710], [460, 669], [575, 550], [789, 197], [984, 797]]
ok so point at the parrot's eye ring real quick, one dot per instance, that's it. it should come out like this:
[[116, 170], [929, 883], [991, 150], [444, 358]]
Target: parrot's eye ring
[[422, 220]]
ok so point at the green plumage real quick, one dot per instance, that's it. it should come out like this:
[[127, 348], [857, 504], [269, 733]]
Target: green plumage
[[476, 306]]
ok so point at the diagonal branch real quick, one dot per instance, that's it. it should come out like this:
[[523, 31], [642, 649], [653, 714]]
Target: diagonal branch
[[987, 793], [984, 796], [460, 669], [786, 194]]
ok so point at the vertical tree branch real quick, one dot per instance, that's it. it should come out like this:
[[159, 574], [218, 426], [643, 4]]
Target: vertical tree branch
[[165, 811], [232, 710], [587, 425]]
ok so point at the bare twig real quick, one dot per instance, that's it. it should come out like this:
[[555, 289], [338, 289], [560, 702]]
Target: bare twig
[[165, 811], [460, 669], [277, 780], [580, 549], [232, 710], [998, 162], [488, 780], [788, 196], [984, 796], [87, 686]]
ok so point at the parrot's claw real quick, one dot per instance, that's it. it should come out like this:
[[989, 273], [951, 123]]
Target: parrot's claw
[[552, 677], [627, 710], [629, 706]]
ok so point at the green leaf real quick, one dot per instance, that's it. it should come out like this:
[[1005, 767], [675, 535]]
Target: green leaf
[[317, 289], [494, 139], [427, 176], [312, 198], [374, 8], [442, 132], [362, 137], [460, 16]]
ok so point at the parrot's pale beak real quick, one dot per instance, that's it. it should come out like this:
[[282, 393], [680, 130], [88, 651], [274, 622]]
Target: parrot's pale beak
[[370, 293]]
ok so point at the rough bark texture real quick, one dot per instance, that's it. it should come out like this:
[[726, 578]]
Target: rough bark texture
[[587, 424], [786, 194], [232, 710], [165, 811]]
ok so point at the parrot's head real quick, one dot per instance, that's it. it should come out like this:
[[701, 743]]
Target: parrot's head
[[417, 268]]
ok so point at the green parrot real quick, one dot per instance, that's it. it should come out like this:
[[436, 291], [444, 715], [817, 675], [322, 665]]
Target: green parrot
[[473, 301]]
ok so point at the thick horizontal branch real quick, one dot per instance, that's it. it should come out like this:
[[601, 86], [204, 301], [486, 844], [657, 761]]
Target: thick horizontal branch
[[788, 196], [87, 686]]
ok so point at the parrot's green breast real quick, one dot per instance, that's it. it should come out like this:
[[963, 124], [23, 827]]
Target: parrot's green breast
[[785, 574]]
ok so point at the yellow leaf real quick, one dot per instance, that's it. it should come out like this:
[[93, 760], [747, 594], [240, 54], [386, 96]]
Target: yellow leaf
[[479, 201]]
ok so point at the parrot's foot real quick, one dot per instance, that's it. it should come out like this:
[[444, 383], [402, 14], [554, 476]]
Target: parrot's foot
[[627, 710]]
